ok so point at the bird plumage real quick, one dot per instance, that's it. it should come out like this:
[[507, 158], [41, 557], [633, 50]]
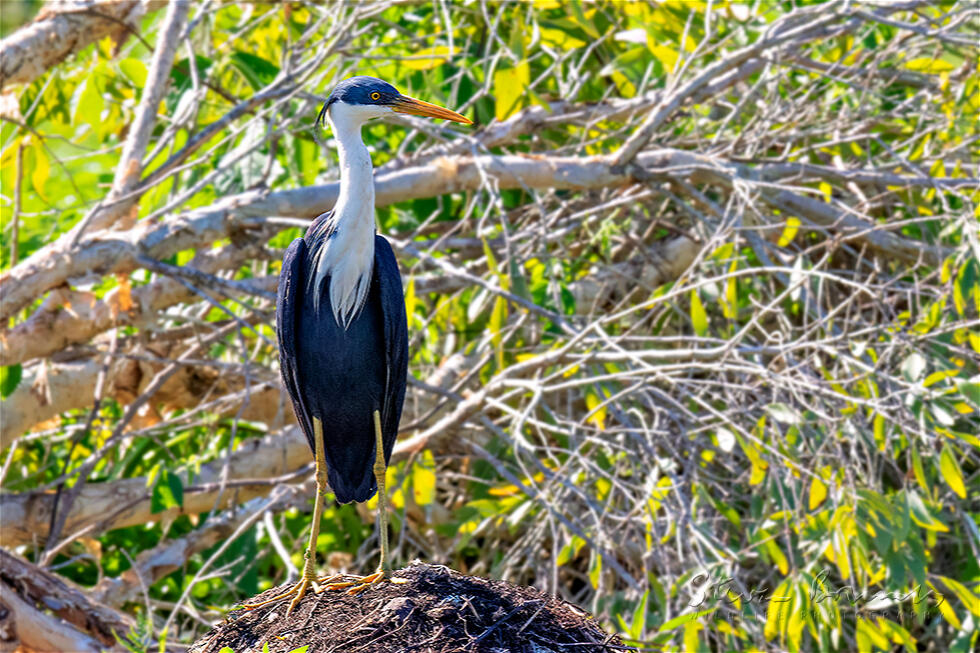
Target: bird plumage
[[343, 337], [342, 375]]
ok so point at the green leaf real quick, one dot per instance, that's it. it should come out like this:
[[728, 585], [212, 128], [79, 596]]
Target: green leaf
[[683, 619], [639, 622], [135, 70], [301, 649], [970, 390], [227, 649], [698, 316], [167, 493], [257, 71], [10, 376], [922, 516], [951, 472], [87, 103]]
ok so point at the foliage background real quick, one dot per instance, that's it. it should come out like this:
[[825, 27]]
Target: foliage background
[[708, 369]]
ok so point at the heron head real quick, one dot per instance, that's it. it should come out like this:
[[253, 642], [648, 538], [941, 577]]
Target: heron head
[[363, 98]]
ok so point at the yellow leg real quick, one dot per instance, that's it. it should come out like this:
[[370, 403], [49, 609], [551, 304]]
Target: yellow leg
[[384, 566], [309, 578]]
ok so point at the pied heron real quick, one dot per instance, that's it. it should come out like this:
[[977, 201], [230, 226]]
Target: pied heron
[[343, 336]]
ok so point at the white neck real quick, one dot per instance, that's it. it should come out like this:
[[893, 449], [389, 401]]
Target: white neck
[[347, 257], [356, 200]]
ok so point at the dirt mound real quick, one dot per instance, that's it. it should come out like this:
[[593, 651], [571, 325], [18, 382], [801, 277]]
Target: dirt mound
[[437, 611]]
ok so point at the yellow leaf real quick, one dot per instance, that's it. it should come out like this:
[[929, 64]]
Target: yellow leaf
[[666, 55], [427, 58], [827, 190], [625, 86], [424, 479], [789, 231], [777, 556], [595, 570], [691, 639], [596, 408], [871, 631], [929, 65], [777, 614], [969, 599], [560, 38], [948, 613], [950, 470], [698, 316], [728, 301], [508, 87], [569, 551], [410, 299], [498, 317], [41, 169], [818, 493], [758, 474]]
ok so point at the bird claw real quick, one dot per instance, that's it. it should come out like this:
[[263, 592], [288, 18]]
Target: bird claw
[[299, 590], [361, 583]]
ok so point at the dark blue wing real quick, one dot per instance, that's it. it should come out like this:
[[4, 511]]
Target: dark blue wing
[[289, 302], [395, 337]]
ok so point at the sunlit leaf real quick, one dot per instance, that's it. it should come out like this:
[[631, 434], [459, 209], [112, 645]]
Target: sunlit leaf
[[87, 103], [424, 479], [951, 472], [595, 406], [595, 570], [818, 493], [789, 231], [969, 598], [667, 55], [39, 176], [699, 318], [929, 65], [777, 613], [560, 38], [427, 58], [508, 88], [135, 70]]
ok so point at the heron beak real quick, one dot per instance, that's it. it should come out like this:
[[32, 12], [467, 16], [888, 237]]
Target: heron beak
[[411, 106]]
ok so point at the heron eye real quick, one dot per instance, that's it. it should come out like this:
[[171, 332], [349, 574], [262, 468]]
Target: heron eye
[[376, 96]]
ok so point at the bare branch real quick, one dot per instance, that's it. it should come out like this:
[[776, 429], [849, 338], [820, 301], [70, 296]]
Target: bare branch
[[60, 31]]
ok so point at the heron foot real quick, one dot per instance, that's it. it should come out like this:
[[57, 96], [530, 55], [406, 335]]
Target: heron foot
[[361, 583], [297, 591]]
